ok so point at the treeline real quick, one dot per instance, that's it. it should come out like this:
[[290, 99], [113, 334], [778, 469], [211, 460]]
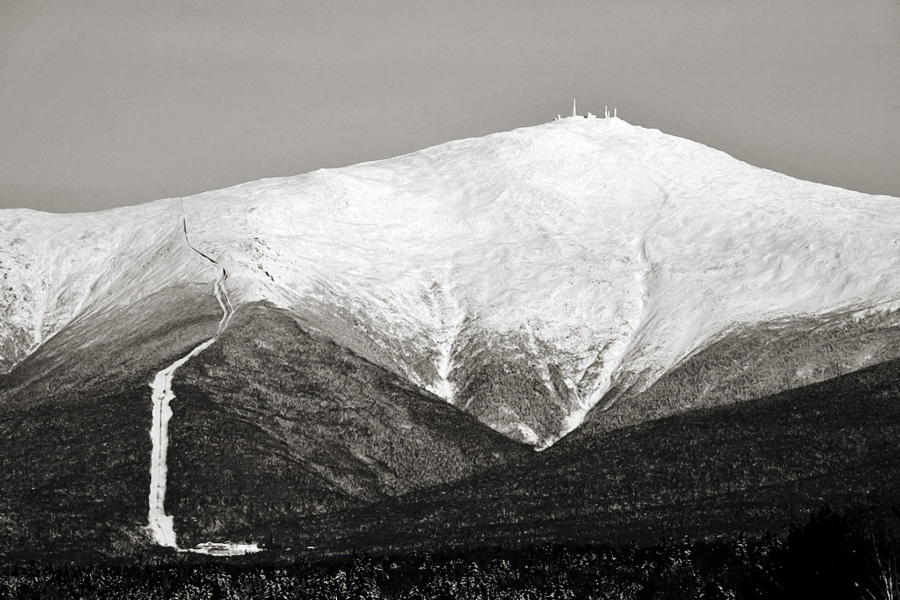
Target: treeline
[[273, 423], [847, 554], [755, 362]]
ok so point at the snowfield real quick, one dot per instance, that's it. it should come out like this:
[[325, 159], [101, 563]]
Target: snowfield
[[55, 268], [588, 252]]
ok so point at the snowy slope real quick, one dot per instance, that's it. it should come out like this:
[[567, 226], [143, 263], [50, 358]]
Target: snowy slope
[[55, 268], [520, 275]]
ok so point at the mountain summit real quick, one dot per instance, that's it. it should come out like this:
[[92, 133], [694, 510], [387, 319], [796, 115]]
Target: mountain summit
[[523, 277]]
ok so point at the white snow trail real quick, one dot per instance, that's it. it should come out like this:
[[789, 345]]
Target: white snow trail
[[161, 525]]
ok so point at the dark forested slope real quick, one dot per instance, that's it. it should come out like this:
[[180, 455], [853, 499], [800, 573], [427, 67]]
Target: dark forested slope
[[274, 422], [746, 467], [75, 426]]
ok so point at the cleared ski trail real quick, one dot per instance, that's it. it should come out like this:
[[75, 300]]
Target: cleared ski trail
[[161, 525]]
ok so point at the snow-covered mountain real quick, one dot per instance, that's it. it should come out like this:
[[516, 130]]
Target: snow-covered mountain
[[520, 276]]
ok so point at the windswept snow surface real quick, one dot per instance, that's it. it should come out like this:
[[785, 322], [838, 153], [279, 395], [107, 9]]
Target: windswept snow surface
[[605, 249], [590, 253], [55, 268]]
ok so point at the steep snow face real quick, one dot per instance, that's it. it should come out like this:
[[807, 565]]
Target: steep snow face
[[572, 256], [55, 268], [520, 276]]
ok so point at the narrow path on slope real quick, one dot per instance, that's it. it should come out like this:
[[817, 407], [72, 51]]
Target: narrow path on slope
[[161, 525]]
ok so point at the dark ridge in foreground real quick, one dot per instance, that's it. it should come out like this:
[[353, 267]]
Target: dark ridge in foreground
[[75, 422], [285, 438], [273, 422], [849, 555], [710, 473]]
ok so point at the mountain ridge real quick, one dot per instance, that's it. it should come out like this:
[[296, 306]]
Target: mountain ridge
[[521, 276]]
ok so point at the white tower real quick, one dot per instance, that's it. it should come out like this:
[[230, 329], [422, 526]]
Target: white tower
[[574, 113]]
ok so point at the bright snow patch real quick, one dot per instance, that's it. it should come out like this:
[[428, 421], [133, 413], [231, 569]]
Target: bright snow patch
[[528, 434], [224, 549]]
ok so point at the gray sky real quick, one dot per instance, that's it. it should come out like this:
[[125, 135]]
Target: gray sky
[[107, 103]]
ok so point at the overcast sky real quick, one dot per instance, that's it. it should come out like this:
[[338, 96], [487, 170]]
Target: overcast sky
[[107, 103]]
